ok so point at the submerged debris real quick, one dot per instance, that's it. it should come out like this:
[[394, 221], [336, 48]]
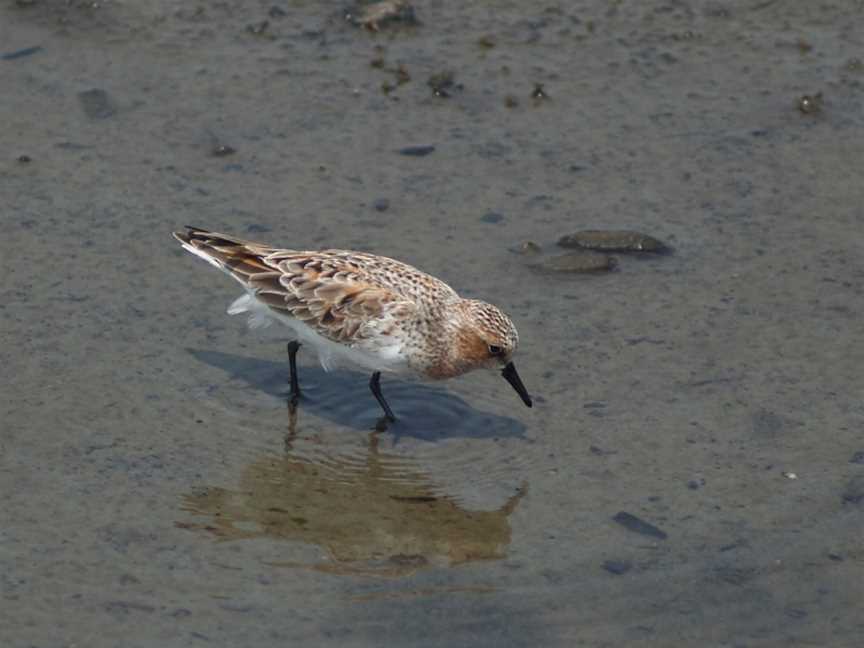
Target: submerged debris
[[810, 104], [259, 28], [442, 84], [577, 261], [527, 247], [487, 41], [21, 53], [613, 241], [373, 16], [538, 93], [637, 525], [222, 150]]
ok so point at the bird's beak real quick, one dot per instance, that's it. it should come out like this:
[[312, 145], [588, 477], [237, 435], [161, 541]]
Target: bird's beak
[[510, 375]]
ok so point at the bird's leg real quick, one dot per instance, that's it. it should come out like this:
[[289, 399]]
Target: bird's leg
[[292, 359], [375, 386]]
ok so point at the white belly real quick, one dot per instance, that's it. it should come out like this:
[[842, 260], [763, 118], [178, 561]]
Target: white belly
[[381, 354]]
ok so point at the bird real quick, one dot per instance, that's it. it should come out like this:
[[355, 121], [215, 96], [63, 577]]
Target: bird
[[363, 310]]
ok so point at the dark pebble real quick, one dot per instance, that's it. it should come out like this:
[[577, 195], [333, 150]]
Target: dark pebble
[[810, 104], [96, 103], [382, 204], [221, 150], [492, 217], [600, 452], [443, 84], [257, 29], [27, 51], [276, 12], [853, 493], [408, 560], [416, 151], [858, 457], [24, 159], [637, 525], [617, 567], [538, 93]]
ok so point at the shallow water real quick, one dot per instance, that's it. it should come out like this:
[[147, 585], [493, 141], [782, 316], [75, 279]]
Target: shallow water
[[158, 492]]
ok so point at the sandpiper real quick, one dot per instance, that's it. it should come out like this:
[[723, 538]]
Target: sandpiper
[[364, 310]]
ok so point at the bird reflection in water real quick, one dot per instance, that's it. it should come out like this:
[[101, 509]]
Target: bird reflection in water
[[375, 513]]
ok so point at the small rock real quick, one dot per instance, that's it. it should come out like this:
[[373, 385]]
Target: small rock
[[408, 560], [539, 94], [578, 261], [382, 204], [637, 525], [492, 217], [222, 150], [810, 104], [416, 151], [528, 247], [443, 84], [24, 159], [617, 567], [258, 29], [613, 241], [858, 457]]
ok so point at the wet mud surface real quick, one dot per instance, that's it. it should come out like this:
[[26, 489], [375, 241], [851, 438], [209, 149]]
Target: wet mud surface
[[690, 473]]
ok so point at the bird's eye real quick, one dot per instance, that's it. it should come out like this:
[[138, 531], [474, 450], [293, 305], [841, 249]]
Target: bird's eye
[[495, 350]]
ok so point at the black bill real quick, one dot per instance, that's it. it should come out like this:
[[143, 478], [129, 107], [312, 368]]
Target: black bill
[[510, 375]]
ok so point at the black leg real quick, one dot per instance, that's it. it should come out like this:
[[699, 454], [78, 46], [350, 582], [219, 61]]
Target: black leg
[[375, 386], [292, 358]]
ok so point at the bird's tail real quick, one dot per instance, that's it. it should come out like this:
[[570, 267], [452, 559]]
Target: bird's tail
[[239, 258]]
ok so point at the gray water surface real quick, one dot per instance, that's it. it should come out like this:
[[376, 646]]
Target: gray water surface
[[156, 491]]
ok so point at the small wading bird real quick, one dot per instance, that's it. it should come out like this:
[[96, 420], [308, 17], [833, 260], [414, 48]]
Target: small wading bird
[[362, 309]]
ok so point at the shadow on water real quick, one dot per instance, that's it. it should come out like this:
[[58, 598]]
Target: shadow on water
[[343, 397], [374, 513]]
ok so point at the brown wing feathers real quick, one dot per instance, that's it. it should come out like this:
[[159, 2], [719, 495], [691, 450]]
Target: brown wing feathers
[[323, 289]]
